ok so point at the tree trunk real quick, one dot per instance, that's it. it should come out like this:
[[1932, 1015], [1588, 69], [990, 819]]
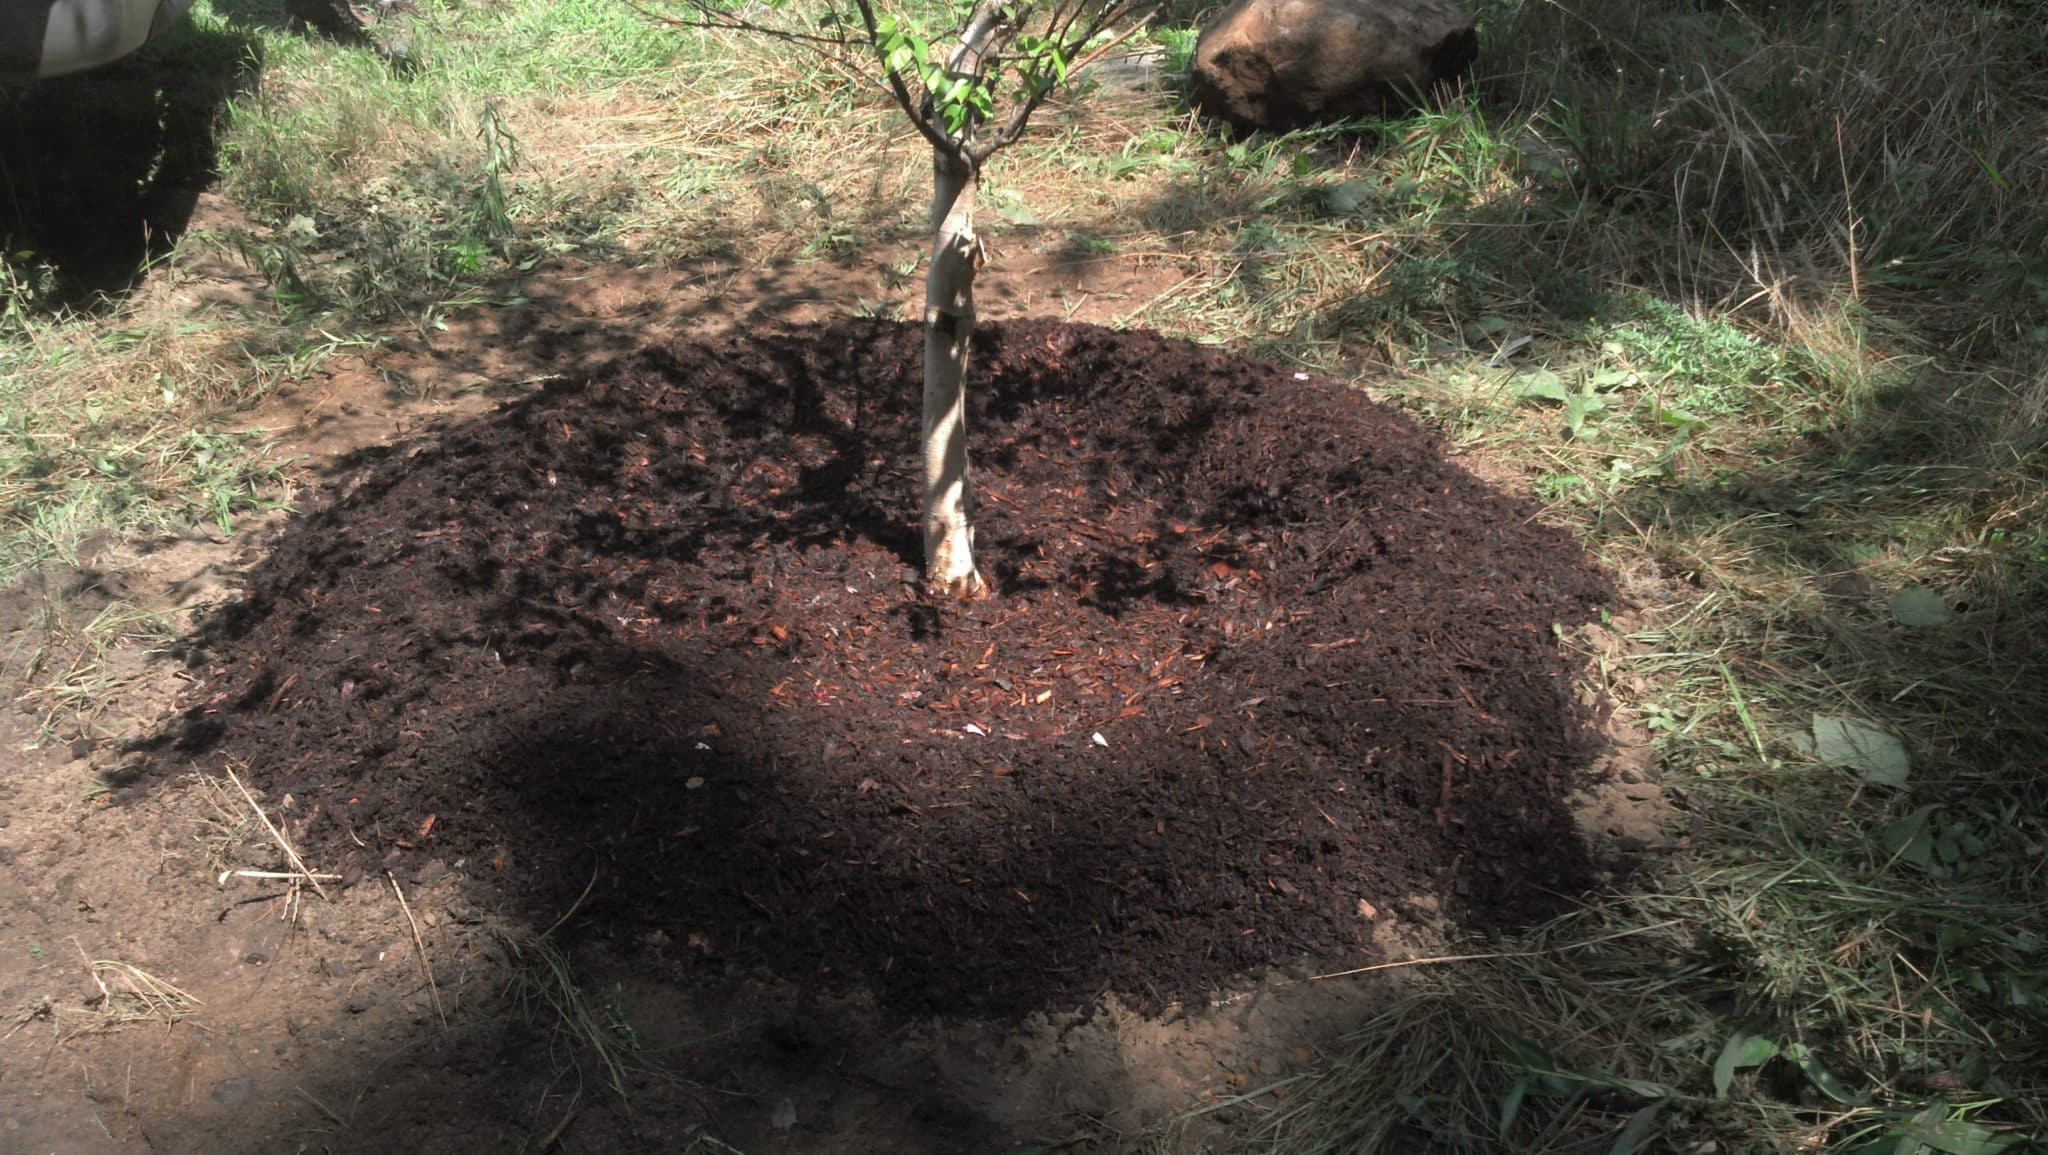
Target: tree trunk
[[948, 335]]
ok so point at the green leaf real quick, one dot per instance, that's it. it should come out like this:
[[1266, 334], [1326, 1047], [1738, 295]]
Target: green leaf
[[1956, 1137], [1742, 1052], [1543, 385], [1580, 406], [1679, 418], [1920, 606], [1511, 1105], [1907, 839], [1850, 744], [1542, 1070], [1347, 197], [1009, 205], [1635, 1134], [1823, 1079], [1640, 1088]]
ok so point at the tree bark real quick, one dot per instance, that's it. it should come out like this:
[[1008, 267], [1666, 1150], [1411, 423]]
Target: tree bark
[[948, 337]]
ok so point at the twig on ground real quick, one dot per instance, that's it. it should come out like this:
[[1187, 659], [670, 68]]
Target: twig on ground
[[555, 1135], [420, 944], [92, 969], [574, 906], [324, 1108], [1458, 958], [291, 875], [291, 855]]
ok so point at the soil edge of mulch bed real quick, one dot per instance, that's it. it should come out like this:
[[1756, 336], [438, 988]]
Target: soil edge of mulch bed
[[1265, 670]]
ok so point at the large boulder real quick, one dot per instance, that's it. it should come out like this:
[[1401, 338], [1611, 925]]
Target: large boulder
[[1283, 64]]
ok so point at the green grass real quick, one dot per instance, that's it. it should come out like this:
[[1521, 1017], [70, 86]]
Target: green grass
[[1753, 299]]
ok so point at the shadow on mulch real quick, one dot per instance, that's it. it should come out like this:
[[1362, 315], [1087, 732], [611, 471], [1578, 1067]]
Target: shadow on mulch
[[1264, 667]]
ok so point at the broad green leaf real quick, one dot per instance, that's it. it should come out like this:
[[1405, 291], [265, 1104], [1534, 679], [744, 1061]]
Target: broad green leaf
[[1743, 1051], [1015, 211], [1580, 406], [1610, 379], [1849, 744], [1920, 606], [1679, 418], [1907, 839], [1636, 1133], [1544, 385], [1822, 1079], [1347, 197], [1956, 1137]]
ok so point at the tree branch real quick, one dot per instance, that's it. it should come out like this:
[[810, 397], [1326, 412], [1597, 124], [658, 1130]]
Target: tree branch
[[977, 39], [708, 17], [899, 91], [1020, 117]]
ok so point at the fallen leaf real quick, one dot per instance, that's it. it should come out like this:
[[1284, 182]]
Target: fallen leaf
[[1849, 744], [1920, 606], [1741, 1052]]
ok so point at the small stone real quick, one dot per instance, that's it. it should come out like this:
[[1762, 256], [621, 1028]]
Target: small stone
[[234, 1092]]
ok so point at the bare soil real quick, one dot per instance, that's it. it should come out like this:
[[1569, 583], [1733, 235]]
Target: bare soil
[[632, 656]]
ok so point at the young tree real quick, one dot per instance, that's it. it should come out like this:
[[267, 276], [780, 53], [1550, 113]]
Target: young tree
[[970, 93]]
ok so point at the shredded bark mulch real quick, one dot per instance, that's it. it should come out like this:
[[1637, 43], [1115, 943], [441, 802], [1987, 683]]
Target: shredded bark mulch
[[1263, 667]]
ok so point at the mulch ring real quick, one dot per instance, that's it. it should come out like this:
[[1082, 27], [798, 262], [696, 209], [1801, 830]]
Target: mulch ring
[[1263, 667]]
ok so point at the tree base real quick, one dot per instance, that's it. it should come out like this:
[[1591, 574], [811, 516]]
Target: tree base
[[949, 565]]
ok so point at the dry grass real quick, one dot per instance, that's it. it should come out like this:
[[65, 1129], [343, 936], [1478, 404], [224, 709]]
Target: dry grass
[[128, 995]]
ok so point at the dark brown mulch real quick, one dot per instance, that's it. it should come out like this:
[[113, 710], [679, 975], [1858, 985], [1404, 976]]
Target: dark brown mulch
[[1262, 661]]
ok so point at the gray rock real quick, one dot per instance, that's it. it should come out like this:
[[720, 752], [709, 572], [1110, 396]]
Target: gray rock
[[1280, 64]]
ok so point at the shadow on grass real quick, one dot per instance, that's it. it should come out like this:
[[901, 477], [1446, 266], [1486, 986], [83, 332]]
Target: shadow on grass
[[1787, 558], [99, 172]]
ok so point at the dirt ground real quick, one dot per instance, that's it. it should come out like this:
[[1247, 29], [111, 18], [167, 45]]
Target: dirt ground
[[574, 665]]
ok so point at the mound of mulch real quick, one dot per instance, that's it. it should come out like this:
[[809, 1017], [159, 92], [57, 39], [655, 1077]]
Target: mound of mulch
[[1263, 667]]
